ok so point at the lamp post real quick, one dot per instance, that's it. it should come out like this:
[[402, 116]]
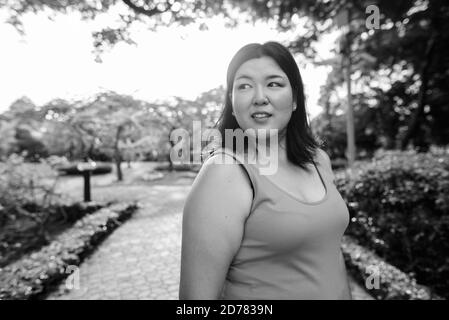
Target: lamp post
[[86, 169]]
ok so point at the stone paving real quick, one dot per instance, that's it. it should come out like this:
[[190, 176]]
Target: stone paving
[[141, 259]]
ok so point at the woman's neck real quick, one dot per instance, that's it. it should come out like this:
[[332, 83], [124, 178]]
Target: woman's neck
[[267, 150]]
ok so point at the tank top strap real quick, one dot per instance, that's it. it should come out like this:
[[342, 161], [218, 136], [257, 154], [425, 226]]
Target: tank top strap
[[250, 170], [322, 161]]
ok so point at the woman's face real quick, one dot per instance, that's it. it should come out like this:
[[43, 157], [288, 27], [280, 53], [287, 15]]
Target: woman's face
[[262, 96]]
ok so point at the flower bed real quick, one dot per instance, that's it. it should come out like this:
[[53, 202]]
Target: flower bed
[[31, 276], [393, 284], [23, 234]]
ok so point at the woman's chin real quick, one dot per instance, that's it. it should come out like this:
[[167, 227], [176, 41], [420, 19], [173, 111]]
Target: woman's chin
[[263, 132], [260, 129]]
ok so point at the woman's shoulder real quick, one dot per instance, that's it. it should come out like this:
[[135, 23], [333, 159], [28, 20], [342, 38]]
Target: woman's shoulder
[[324, 160], [220, 175], [322, 156], [223, 155], [223, 164]]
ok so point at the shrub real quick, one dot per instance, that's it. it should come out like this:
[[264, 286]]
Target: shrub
[[178, 167], [393, 284], [399, 208], [57, 161], [35, 274], [21, 236], [23, 185], [32, 148], [29, 207]]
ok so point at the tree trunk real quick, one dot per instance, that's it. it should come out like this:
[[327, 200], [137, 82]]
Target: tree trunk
[[118, 166], [90, 151], [172, 144], [117, 155], [71, 151], [350, 131], [419, 112]]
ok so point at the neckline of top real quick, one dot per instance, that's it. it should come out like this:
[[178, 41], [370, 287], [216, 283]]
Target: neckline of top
[[313, 203]]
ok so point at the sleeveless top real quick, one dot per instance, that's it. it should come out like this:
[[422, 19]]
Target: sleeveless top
[[290, 248]]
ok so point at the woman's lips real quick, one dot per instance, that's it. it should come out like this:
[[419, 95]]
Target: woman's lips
[[260, 115]]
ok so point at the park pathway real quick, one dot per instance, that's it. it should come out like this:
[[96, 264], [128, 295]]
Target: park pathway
[[141, 259]]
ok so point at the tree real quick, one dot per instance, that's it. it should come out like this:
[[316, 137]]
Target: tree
[[420, 70], [331, 129], [403, 24], [179, 113], [8, 140], [23, 129], [61, 136], [108, 119], [405, 85], [26, 143], [153, 13]]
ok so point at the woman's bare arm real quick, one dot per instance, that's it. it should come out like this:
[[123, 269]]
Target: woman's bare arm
[[213, 224]]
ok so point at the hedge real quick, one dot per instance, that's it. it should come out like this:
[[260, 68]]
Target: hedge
[[16, 240], [393, 284], [399, 208], [34, 274], [72, 169]]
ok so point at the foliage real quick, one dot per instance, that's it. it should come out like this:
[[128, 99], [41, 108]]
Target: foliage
[[400, 209], [30, 209], [107, 126], [179, 167], [20, 126], [7, 141], [331, 130], [399, 86], [393, 284], [34, 274], [61, 136], [18, 238], [26, 144], [23, 185], [162, 13]]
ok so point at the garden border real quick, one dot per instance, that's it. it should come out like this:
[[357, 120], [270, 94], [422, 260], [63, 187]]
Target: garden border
[[35, 274], [394, 284]]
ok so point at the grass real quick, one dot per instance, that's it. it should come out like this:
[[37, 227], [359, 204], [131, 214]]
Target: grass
[[136, 183]]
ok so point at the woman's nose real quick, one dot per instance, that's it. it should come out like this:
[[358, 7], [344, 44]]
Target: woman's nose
[[260, 97]]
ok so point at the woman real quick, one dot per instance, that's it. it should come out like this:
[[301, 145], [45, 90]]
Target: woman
[[253, 236]]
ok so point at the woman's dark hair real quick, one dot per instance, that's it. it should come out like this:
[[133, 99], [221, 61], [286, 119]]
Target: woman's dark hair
[[300, 144]]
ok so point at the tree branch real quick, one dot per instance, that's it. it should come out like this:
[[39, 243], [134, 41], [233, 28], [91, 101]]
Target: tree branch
[[141, 10], [416, 117]]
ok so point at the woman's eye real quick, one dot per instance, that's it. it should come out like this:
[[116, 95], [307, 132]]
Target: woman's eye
[[242, 86], [276, 83]]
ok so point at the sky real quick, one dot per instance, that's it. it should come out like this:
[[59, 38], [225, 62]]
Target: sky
[[54, 60]]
